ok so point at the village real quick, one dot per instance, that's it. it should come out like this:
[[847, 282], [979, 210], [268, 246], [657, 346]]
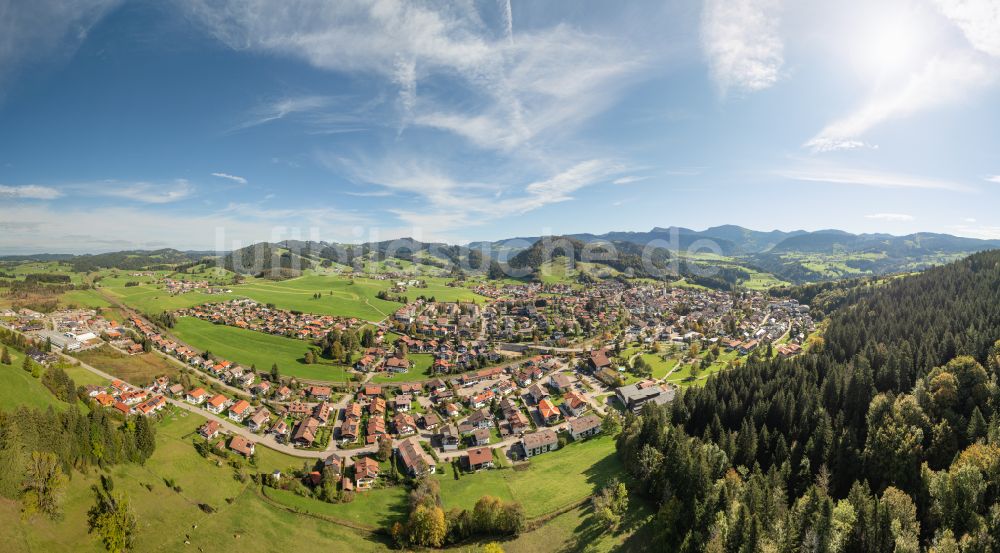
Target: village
[[496, 393]]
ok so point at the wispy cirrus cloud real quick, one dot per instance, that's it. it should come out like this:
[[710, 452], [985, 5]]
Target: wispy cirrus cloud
[[890, 217], [234, 178], [282, 108], [629, 179], [451, 203], [865, 177], [546, 80], [29, 192], [147, 192], [42, 29], [740, 38]]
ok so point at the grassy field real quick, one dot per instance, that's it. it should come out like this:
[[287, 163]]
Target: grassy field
[[345, 296], [83, 299], [577, 531], [248, 347], [375, 508], [18, 387], [150, 298], [339, 296], [552, 480], [660, 367], [136, 369]]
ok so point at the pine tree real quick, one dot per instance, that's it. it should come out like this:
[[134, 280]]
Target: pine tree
[[977, 426], [145, 438], [5, 356]]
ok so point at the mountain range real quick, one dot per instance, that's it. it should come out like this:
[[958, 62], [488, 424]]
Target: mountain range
[[791, 256]]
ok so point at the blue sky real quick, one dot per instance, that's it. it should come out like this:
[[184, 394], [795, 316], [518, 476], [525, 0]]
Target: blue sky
[[205, 124]]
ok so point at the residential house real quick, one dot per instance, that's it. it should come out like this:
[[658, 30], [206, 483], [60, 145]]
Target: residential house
[[366, 471], [481, 436], [349, 430], [539, 442], [599, 359], [537, 393], [415, 460], [548, 412], [239, 410], [449, 437], [430, 421], [404, 424], [209, 430], [402, 403], [305, 432], [319, 393], [561, 383], [574, 404], [196, 396], [583, 427], [217, 404], [479, 458], [280, 430], [259, 420], [241, 445]]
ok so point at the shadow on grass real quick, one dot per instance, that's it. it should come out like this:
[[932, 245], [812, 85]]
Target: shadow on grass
[[636, 527]]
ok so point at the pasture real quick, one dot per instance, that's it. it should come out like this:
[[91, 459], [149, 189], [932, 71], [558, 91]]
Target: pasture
[[136, 369], [248, 347], [18, 387]]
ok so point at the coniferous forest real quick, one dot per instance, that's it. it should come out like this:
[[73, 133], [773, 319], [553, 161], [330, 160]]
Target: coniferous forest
[[884, 437]]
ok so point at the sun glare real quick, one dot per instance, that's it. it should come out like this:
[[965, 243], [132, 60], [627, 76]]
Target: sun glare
[[890, 39]]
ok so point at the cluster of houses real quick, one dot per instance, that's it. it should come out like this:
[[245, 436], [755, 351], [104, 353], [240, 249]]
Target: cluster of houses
[[251, 315], [130, 400], [175, 287]]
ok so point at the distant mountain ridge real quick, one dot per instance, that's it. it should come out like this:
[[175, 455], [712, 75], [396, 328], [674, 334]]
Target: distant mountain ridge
[[792, 256]]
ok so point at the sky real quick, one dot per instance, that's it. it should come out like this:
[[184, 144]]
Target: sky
[[213, 124]]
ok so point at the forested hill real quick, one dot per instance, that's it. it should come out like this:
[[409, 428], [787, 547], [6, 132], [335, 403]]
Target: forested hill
[[887, 438]]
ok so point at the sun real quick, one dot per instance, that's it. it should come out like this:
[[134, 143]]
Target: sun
[[888, 39]]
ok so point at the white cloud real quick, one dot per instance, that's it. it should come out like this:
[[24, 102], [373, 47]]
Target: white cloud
[[979, 20], [548, 80], [447, 203], [233, 178], [29, 192], [629, 179], [863, 177], [741, 41], [890, 217], [944, 80], [146, 192], [994, 178], [984, 232]]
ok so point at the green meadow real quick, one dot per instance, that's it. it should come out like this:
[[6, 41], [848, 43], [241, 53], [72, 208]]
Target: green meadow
[[18, 387], [248, 347]]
